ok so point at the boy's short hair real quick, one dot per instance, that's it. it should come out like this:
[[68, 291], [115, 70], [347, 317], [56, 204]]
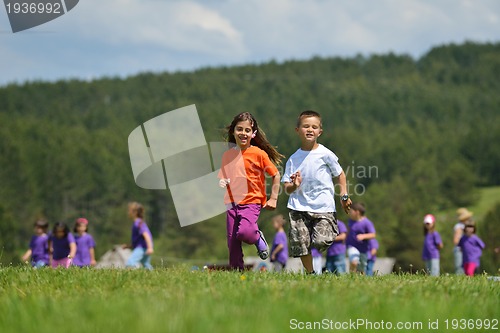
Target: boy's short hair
[[279, 219], [359, 207], [307, 114]]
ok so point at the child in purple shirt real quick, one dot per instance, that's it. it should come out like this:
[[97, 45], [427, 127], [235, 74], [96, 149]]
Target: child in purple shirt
[[62, 246], [39, 246], [279, 250], [472, 248], [361, 230], [335, 255], [85, 255], [372, 256], [432, 245], [142, 240]]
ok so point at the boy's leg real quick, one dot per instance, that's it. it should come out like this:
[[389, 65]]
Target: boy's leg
[[146, 262], [330, 264], [324, 230], [318, 265], [339, 262], [434, 267], [457, 256], [300, 239], [363, 262], [369, 267], [307, 261], [233, 243], [135, 257]]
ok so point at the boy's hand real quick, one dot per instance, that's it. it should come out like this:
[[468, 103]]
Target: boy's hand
[[224, 182], [346, 205], [149, 251], [296, 179], [270, 204]]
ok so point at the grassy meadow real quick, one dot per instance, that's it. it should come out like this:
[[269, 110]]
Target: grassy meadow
[[179, 300]]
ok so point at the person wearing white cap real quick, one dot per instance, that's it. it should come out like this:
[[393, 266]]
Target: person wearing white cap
[[432, 245], [463, 215]]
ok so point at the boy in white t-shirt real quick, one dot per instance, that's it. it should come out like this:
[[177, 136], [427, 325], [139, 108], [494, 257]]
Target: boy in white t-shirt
[[308, 179]]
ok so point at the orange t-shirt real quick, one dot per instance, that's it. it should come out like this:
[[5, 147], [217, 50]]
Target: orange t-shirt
[[246, 170]]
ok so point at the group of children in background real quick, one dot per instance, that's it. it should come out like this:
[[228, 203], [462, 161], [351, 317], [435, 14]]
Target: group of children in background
[[61, 248], [468, 246]]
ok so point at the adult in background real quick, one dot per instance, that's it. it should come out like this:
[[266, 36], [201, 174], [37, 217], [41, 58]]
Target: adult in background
[[464, 215]]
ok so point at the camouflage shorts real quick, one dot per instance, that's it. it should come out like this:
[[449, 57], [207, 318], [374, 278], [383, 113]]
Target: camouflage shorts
[[311, 229]]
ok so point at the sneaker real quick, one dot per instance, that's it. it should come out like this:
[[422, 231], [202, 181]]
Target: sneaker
[[263, 254]]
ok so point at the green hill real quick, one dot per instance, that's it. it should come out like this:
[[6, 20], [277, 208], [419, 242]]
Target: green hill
[[429, 127]]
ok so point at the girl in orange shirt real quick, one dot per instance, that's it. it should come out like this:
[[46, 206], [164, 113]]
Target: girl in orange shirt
[[244, 165]]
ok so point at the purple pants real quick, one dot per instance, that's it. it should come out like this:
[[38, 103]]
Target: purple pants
[[241, 222]]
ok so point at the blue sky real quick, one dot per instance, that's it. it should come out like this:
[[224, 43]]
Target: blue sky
[[124, 37]]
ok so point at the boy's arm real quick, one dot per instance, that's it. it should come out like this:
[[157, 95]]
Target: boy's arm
[[278, 248], [149, 242], [362, 237], [341, 180], [275, 189], [296, 180], [341, 237], [26, 255]]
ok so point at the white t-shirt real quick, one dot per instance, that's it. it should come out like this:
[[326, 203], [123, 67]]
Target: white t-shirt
[[317, 168]]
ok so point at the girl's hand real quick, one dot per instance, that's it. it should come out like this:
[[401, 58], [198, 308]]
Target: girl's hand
[[149, 251], [93, 262], [271, 204], [25, 258], [273, 257], [224, 182], [296, 179], [360, 237]]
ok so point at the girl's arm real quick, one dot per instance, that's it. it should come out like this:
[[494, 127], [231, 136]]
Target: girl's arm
[[275, 189], [27, 255], [92, 256], [440, 245], [278, 248], [362, 237], [72, 250], [341, 237], [149, 243]]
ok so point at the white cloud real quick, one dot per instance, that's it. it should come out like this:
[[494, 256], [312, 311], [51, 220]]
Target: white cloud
[[174, 25]]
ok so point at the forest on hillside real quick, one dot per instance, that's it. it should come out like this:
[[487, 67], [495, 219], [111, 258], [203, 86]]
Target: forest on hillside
[[427, 129]]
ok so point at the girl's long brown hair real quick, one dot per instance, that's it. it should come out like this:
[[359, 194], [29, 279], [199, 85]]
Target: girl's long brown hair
[[260, 139]]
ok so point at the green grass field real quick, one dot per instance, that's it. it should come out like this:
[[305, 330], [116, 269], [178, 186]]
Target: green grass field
[[178, 300]]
